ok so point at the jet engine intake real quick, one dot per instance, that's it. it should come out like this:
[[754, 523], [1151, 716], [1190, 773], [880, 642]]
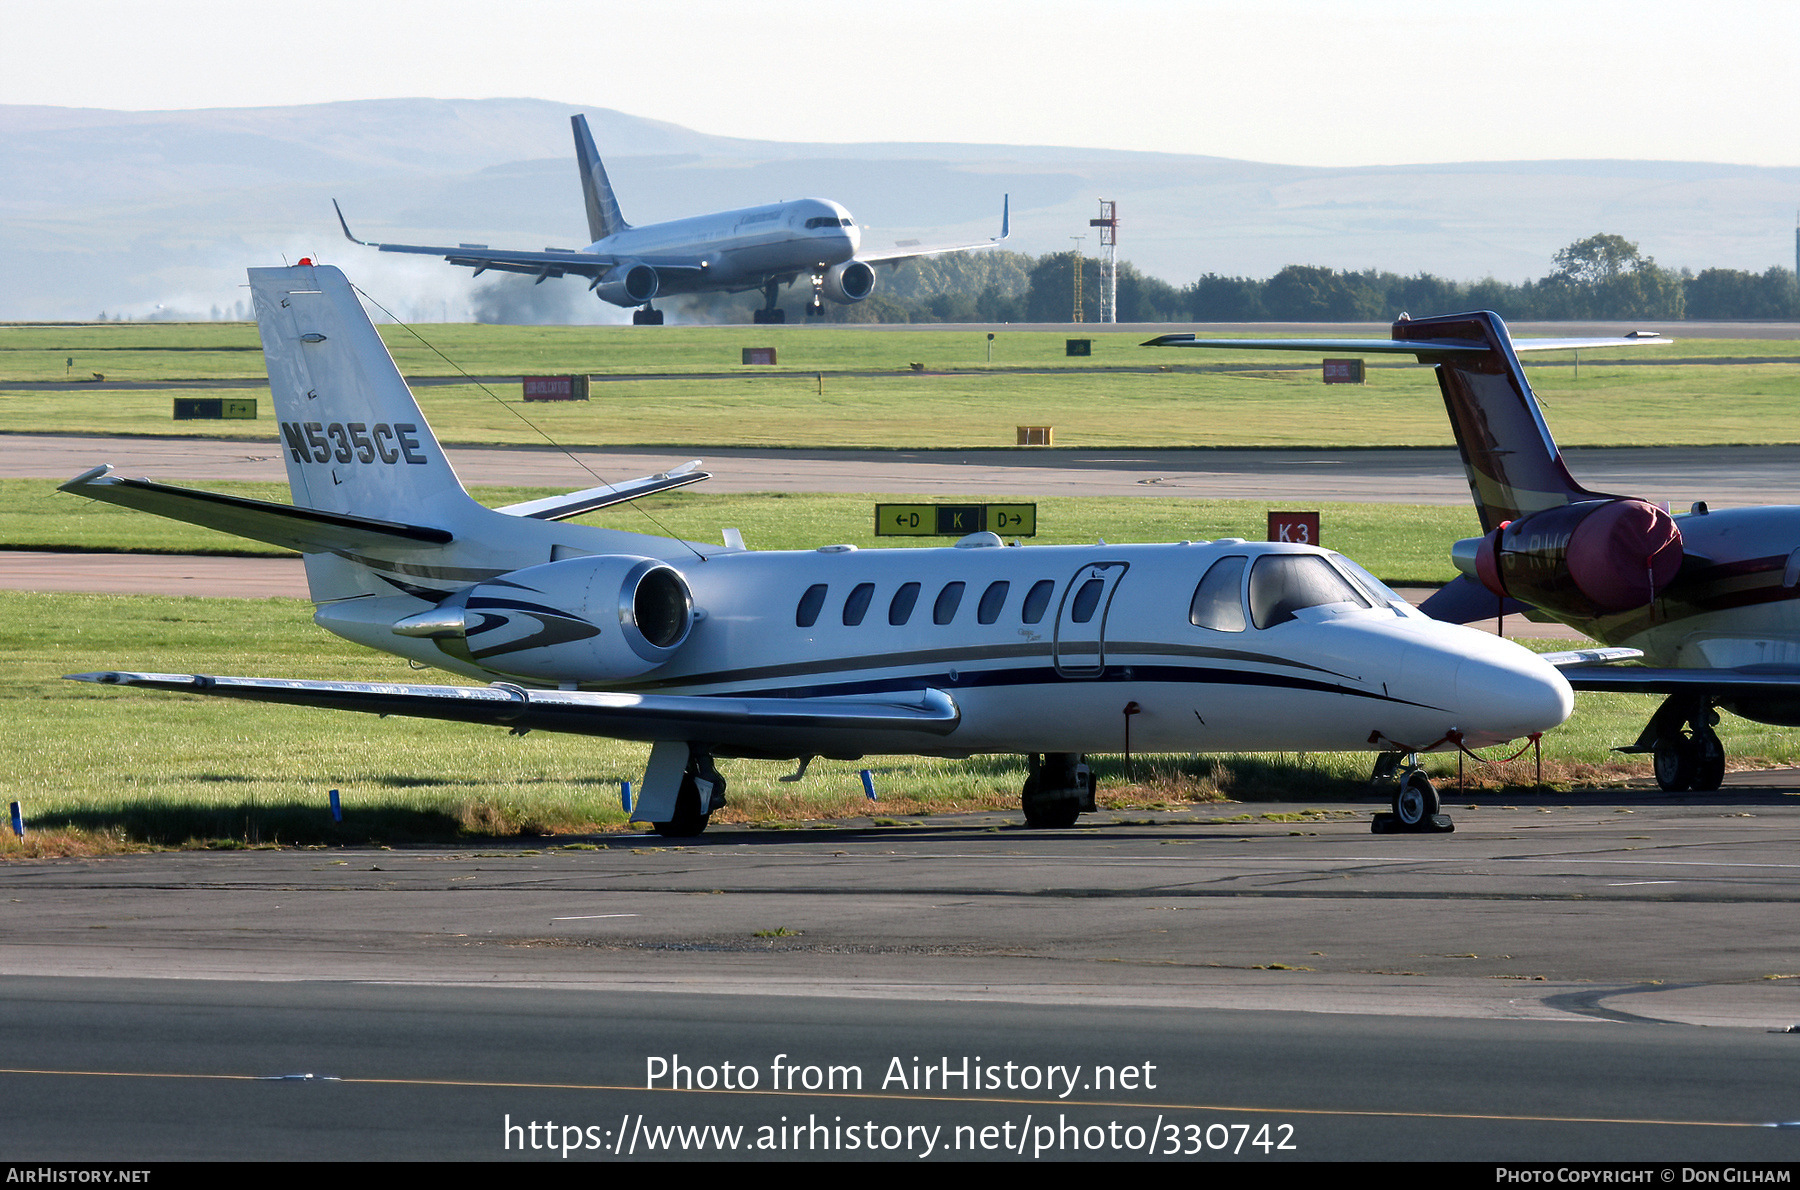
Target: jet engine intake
[[590, 620], [851, 281], [1593, 557], [630, 283]]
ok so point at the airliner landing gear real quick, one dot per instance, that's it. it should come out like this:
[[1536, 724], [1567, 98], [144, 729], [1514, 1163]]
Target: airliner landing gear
[[646, 317], [702, 792], [769, 313], [1684, 747], [816, 307], [1059, 788], [1417, 808]]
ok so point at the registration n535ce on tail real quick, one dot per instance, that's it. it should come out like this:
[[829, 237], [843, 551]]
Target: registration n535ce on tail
[[708, 651]]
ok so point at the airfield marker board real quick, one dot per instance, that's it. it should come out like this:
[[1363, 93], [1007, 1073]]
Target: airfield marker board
[[954, 520]]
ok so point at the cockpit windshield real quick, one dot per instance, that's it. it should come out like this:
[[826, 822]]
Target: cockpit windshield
[[1377, 590], [1282, 584]]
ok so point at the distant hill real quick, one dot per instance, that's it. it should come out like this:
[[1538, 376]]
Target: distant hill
[[126, 211]]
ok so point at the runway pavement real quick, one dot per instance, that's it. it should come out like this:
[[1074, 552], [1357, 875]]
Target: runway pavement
[[1594, 977], [1722, 475]]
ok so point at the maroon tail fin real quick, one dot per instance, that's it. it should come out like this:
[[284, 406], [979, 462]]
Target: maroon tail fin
[[1513, 464]]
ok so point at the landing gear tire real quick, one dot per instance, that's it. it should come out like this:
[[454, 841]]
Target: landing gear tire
[[646, 317], [1709, 762], [1415, 802], [1056, 808], [690, 819], [770, 316], [1677, 763]]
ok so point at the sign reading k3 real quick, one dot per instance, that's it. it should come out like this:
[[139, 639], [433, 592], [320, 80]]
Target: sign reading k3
[[315, 442]]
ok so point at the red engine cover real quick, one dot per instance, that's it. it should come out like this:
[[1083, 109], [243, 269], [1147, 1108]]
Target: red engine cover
[[1624, 553]]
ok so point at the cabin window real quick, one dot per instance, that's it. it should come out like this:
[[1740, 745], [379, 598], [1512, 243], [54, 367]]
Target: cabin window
[[1086, 600], [1218, 600], [807, 614], [992, 600], [1036, 600], [857, 606], [900, 610], [1282, 584], [944, 610]]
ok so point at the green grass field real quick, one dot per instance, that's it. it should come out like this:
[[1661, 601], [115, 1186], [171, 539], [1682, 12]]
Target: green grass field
[[1283, 404], [100, 768], [1405, 544]]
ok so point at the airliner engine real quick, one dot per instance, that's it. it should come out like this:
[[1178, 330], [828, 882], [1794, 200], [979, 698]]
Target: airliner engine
[[592, 619], [1593, 557], [630, 283], [851, 281]]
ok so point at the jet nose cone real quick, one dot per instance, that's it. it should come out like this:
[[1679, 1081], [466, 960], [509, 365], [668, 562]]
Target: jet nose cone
[[1509, 692]]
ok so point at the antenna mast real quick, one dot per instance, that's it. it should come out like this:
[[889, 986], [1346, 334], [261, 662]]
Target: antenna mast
[[1108, 223]]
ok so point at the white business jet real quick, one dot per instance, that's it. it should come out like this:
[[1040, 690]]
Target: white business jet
[[709, 651], [729, 251]]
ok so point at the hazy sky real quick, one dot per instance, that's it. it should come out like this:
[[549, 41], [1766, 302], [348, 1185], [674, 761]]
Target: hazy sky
[[1319, 82]]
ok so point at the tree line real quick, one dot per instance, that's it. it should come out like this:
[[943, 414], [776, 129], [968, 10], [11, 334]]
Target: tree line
[[1603, 277]]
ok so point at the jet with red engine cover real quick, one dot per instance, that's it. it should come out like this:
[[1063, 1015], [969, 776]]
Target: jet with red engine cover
[[708, 651], [1710, 598]]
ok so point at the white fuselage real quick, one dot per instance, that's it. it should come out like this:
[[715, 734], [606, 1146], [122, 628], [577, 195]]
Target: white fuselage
[[1045, 678], [740, 248]]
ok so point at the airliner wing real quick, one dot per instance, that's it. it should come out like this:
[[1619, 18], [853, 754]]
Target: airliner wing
[[754, 727], [912, 250], [550, 263]]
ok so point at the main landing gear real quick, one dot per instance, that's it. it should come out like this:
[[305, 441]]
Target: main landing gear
[[702, 792], [646, 317], [1059, 788], [769, 313], [1683, 746], [1417, 808]]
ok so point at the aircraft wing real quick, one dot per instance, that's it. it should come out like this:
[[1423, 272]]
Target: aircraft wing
[[551, 262], [912, 250], [1723, 683], [306, 530], [756, 727]]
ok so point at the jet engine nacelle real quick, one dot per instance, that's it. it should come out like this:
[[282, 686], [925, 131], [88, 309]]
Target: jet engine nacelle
[[592, 619], [630, 283], [1594, 557], [851, 281]]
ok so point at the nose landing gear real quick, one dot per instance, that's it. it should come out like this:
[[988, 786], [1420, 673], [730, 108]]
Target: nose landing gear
[[1417, 808]]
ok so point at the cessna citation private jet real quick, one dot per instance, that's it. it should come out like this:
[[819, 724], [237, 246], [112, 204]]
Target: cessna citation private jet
[[731, 251], [1710, 599], [709, 651]]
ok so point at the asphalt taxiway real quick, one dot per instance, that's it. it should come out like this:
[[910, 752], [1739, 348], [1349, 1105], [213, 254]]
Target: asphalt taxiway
[[1600, 977]]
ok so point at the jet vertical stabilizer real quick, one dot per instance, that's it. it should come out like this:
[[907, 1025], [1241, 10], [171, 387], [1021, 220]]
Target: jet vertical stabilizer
[[603, 214]]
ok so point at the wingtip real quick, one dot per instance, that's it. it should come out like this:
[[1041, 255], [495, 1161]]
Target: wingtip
[[1167, 340]]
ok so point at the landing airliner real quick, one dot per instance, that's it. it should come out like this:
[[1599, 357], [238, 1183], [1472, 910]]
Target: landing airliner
[[730, 251], [709, 651]]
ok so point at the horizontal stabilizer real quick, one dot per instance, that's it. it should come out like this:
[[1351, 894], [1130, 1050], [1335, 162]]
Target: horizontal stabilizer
[[561, 508], [1420, 347], [305, 530], [1462, 599], [757, 727]]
